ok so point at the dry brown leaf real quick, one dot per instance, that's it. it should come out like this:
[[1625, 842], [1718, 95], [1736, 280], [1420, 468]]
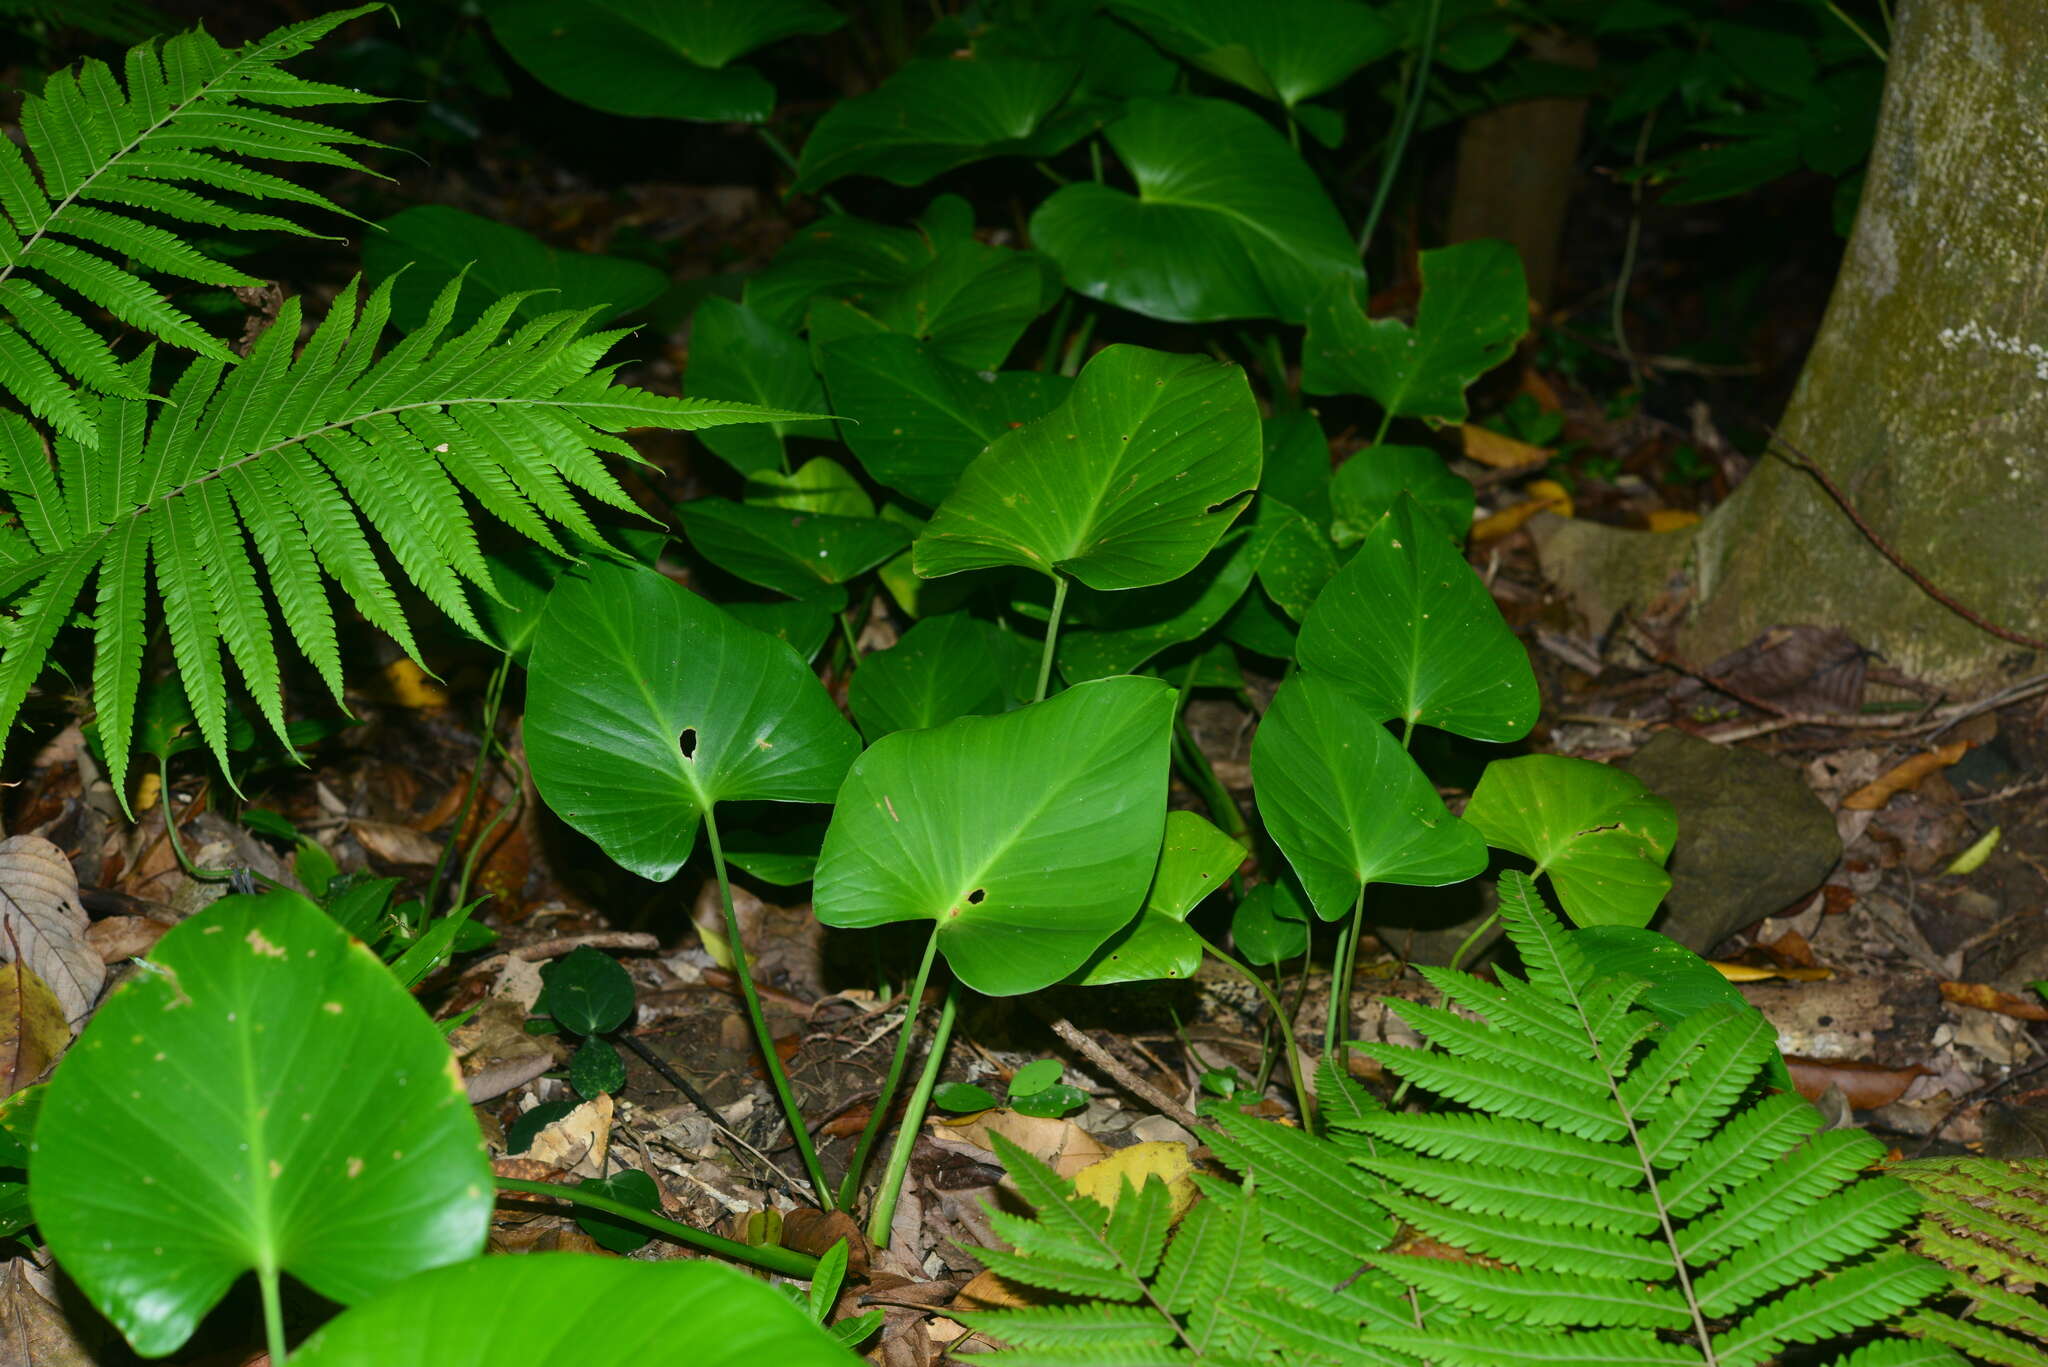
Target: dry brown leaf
[[1902, 777], [115, 938], [33, 1031], [34, 1331], [40, 917], [395, 844], [1866, 1085], [1544, 496], [495, 1051], [1985, 997], [1489, 447], [1061, 1145], [987, 1291], [578, 1141]]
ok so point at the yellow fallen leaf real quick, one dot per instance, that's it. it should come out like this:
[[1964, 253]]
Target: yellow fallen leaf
[[1545, 495], [146, 789], [1741, 973], [1672, 519], [1104, 1181], [1489, 447], [33, 1031], [406, 684]]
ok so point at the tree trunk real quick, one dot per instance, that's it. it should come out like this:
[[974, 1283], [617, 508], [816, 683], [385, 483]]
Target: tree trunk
[[1925, 395]]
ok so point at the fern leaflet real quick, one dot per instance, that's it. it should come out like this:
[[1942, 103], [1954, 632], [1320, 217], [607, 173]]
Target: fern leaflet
[[1987, 1222]]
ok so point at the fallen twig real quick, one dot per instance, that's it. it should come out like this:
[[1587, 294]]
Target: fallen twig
[[1121, 1074]]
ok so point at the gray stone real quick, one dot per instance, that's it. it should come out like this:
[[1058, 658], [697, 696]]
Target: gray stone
[[1752, 838]]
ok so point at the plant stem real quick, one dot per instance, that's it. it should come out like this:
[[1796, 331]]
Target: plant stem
[[1301, 1093], [783, 155], [849, 1186], [913, 1120], [1052, 634], [1473, 939], [1201, 775], [494, 695], [165, 801], [776, 1076], [1077, 346], [1337, 1025], [1411, 109], [1386, 421], [273, 1313], [786, 1261]]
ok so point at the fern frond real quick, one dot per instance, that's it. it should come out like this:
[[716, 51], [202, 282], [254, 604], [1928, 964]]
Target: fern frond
[[184, 113], [1870, 1292], [1313, 1198], [1500, 1089], [1539, 1297], [294, 457], [1540, 1198], [1829, 1232], [1306, 1337], [1095, 1329], [1214, 1261], [1792, 1183], [1899, 1353], [1489, 1345], [1563, 1246], [1986, 1221], [1747, 1145]]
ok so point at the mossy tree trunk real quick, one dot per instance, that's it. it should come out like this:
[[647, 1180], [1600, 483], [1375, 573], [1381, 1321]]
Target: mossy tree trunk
[[1925, 395]]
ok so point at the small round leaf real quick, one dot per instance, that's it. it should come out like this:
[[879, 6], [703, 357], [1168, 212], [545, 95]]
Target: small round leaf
[[596, 1069], [635, 1188], [587, 991], [1035, 1077], [963, 1098]]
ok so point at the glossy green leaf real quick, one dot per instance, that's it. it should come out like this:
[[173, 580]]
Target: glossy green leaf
[[265, 1097], [1346, 804], [545, 1309], [1475, 307], [819, 485], [1114, 633], [932, 115], [429, 245], [804, 555], [1598, 832], [916, 420], [1050, 1103], [635, 1188], [1297, 470], [964, 1098], [735, 353], [1294, 558], [645, 705], [1028, 839], [943, 667], [1115, 61], [1131, 482], [1228, 221], [1408, 625], [1035, 1076], [1195, 860], [1285, 50], [785, 856], [587, 991], [651, 59], [1271, 924], [935, 282], [803, 626], [1365, 487], [1261, 627], [596, 1069]]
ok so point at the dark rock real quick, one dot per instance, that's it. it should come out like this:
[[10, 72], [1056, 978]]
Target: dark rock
[[1752, 838]]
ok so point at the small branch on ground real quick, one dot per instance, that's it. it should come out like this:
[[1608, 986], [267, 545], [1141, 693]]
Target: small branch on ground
[[1121, 1074]]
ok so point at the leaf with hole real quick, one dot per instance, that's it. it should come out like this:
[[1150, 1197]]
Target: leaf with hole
[[1408, 625], [1598, 832], [1346, 804], [917, 420], [303, 1115], [1027, 839], [933, 114], [1366, 485], [1114, 633], [646, 705], [646, 59], [808, 556], [735, 353], [943, 667], [545, 1309], [1195, 859], [1284, 50], [844, 276], [1475, 307], [1228, 221], [421, 249], [1131, 482]]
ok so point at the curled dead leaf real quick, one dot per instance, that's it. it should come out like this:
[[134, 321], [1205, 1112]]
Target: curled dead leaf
[[1903, 777], [1489, 447], [41, 919], [1985, 997], [1545, 495], [1866, 1085]]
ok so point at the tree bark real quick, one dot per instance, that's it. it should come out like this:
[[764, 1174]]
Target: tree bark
[[1925, 395]]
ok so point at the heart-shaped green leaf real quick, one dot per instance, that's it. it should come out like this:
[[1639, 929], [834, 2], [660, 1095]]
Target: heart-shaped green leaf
[[1285, 50], [1366, 485], [935, 282], [1228, 221], [1293, 556], [1270, 925], [645, 705], [1124, 630], [429, 245], [545, 1309], [651, 59], [934, 114], [1407, 624], [804, 555], [1346, 804], [802, 625], [1028, 839], [916, 420], [1475, 307], [267, 1098], [1598, 832], [1129, 483], [1196, 859], [819, 485], [944, 667], [735, 353]]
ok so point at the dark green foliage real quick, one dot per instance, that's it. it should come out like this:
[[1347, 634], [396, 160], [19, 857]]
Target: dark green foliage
[[1987, 1223]]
